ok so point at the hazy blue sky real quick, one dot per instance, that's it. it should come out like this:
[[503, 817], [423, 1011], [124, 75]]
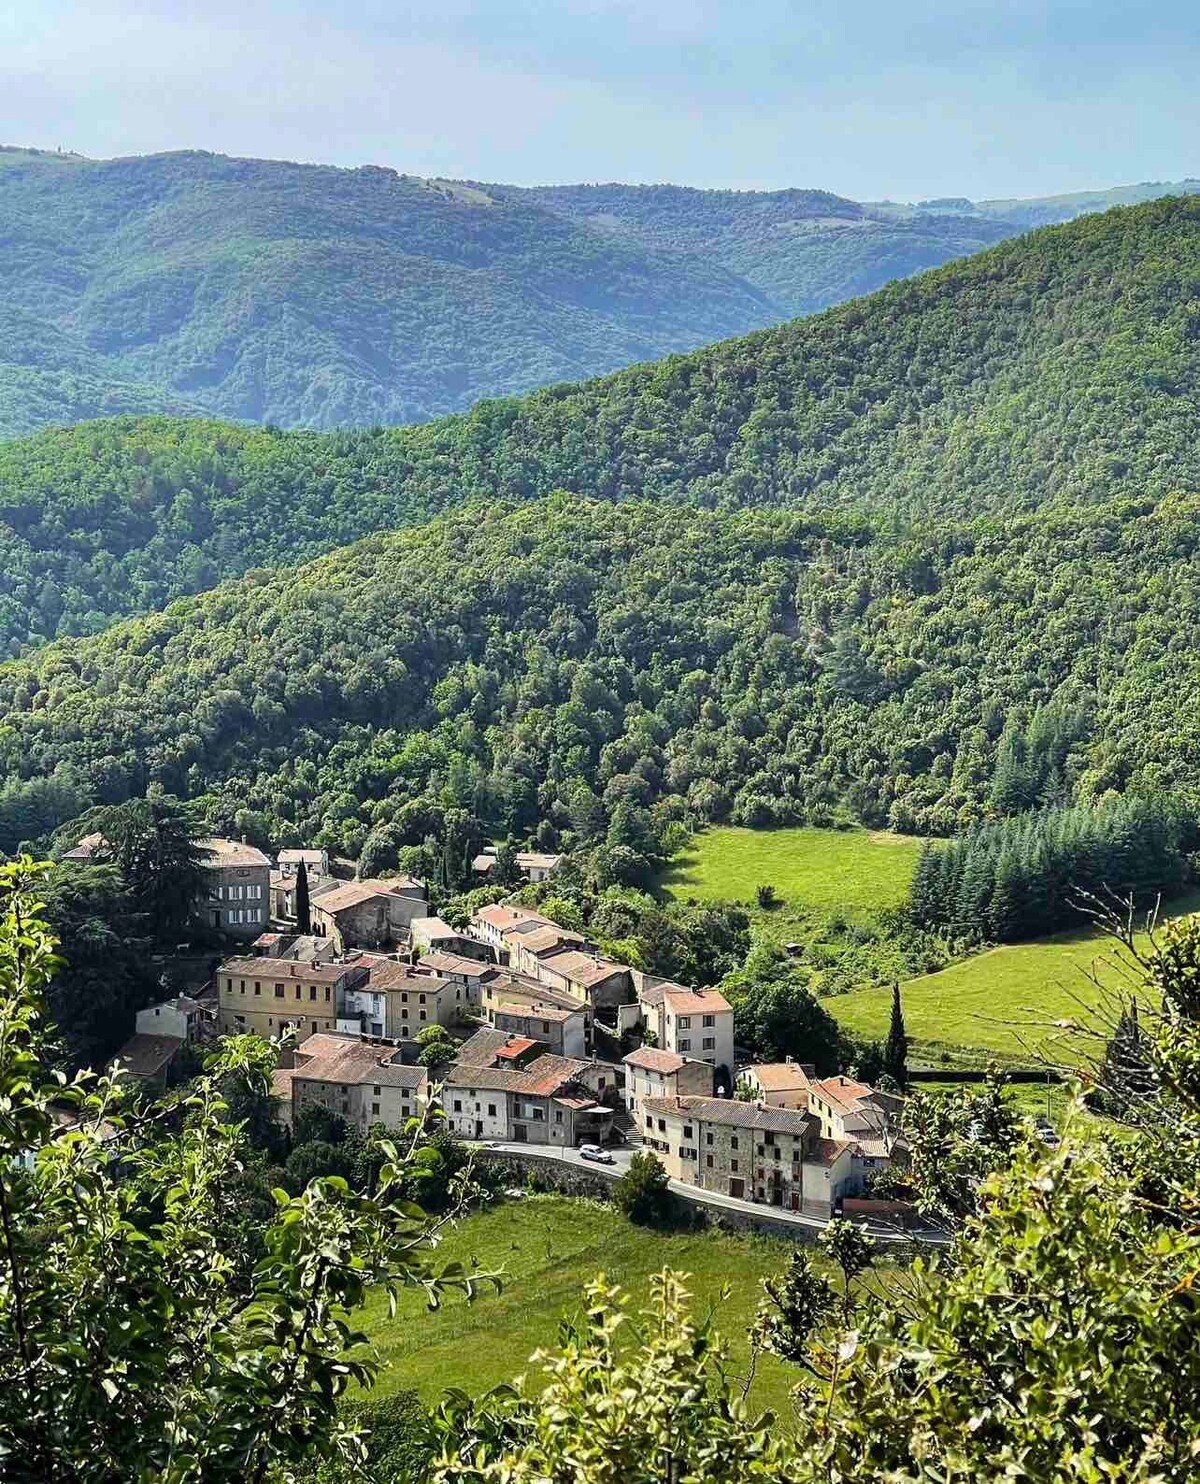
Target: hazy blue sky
[[870, 98]]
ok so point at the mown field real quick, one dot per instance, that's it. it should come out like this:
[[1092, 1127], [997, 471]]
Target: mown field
[[1004, 1001], [548, 1248], [844, 870]]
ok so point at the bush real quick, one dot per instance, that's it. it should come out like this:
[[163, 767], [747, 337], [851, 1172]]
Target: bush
[[643, 1192]]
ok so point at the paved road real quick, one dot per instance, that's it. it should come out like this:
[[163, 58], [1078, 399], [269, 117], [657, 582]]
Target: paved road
[[707, 1199]]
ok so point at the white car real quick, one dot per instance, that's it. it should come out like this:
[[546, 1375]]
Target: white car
[[594, 1152]]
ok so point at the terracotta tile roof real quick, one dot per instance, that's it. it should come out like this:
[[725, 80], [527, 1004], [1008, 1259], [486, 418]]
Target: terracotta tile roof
[[502, 918], [842, 1092], [537, 860], [452, 963], [655, 993], [696, 1001], [388, 973], [354, 893], [578, 1103], [825, 1151], [432, 928], [275, 969], [501, 984], [547, 939], [347, 1061], [481, 1048], [516, 1048], [537, 1012], [780, 1076], [541, 1078], [652, 1059], [294, 857], [223, 853], [734, 1114], [584, 968]]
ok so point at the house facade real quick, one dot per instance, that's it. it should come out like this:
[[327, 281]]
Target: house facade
[[779, 1084], [361, 1082], [653, 1073], [563, 1032], [271, 996], [368, 914], [237, 898], [548, 1101], [397, 1002], [772, 1156]]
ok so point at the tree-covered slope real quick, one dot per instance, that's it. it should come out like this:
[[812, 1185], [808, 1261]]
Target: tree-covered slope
[[311, 296], [1059, 369], [557, 660]]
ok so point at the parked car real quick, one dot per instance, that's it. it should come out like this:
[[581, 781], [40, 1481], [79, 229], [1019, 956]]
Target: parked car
[[594, 1152]]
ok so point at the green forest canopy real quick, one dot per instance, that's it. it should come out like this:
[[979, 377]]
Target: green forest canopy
[[556, 661], [1059, 370]]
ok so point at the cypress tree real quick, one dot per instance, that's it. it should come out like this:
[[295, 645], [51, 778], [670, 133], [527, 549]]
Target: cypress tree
[[303, 910], [895, 1051]]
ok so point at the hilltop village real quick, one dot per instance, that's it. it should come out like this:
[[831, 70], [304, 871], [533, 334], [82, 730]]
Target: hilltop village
[[524, 1033]]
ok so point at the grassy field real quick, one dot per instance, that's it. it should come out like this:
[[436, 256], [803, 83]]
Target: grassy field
[[548, 1248], [829, 869], [1004, 1001]]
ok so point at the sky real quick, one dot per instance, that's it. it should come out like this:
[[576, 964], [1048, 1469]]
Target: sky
[[872, 99]]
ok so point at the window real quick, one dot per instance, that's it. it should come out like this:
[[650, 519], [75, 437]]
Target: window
[[279, 991], [685, 1022], [687, 1131], [545, 1025], [327, 994], [257, 987], [375, 1108], [422, 1015], [404, 1109], [733, 1143], [404, 999], [685, 1044], [709, 1043], [733, 1165], [778, 1153], [458, 1105], [312, 991], [662, 1125], [422, 999], [491, 1110], [710, 1020], [558, 1118], [377, 1091], [299, 992], [243, 988], [708, 1160]]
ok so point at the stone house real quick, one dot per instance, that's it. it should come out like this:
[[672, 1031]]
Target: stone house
[[236, 895], [534, 865], [529, 950], [696, 1023], [432, 935], [773, 1156], [361, 1081], [589, 977], [160, 1033], [238, 881], [779, 1084], [563, 1032], [397, 1002], [548, 1101], [368, 914], [270, 996], [459, 969], [651, 1072], [491, 924]]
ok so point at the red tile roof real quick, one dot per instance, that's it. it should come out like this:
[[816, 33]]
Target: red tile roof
[[654, 1060], [696, 1001]]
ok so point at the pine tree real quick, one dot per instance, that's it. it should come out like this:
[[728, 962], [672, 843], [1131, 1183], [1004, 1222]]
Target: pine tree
[[895, 1051], [303, 910]]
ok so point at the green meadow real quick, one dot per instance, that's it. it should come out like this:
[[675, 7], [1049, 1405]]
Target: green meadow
[[825, 869], [1016, 1002], [547, 1249]]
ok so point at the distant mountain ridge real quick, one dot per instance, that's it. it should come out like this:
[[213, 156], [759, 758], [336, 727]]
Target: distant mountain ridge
[[1059, 370], [307, 295]]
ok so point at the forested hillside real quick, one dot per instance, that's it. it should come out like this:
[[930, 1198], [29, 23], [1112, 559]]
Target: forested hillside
[[1059, 370], [555, 662], [318, 297]]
